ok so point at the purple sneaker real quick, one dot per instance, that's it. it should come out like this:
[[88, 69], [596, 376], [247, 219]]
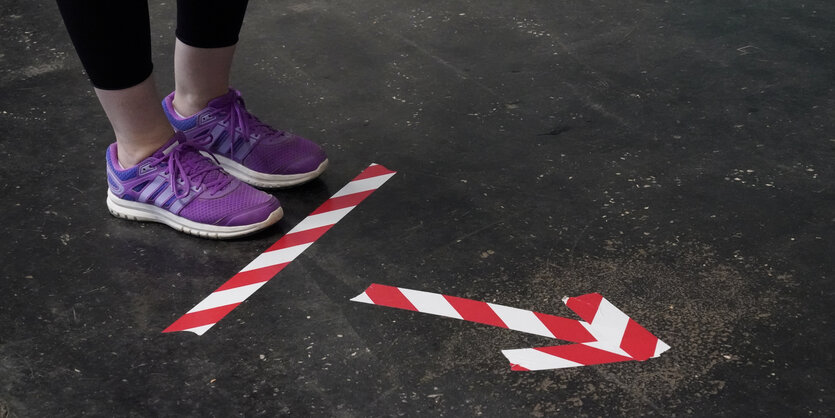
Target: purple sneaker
[[246, 147], [185, 190]]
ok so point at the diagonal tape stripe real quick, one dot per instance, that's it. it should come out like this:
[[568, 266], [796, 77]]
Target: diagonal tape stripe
[[357, 186], [609, 323], [608, 346], [565, 329], [245, 278], [638, 342], [475, 311], [559, 357], [342, 202], [583, 354], [431, 303], [388, 296], [521, 320], [298, 238], [281, 256], [320, 220], [200, 319], [584, 306], [373, 170], [227, 297], [238, 288], [524, 359]]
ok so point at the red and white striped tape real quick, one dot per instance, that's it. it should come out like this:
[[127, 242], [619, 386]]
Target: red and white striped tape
[[258, 272], [606, 334]]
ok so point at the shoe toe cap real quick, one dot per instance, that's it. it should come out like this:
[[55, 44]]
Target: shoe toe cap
[[252, 215], [293, 155], [244, 205]]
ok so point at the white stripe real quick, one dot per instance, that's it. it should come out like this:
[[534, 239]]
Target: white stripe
[[150, 189], [537, 360], [362, 297], [431, 303], [226, 297], [321, 219], [608, 346], [363, 185], [164, 196], [272, 258], [609, 323], [521, 320], [660, 347], [200, 330]]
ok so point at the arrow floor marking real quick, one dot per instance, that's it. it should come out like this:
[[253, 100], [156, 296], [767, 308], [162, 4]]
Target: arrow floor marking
[[605, 335], [258, 272]]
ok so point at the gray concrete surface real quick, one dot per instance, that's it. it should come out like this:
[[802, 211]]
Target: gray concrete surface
[[675, 157]]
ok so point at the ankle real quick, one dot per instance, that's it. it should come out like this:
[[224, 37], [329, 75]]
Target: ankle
[[187, 104], [132, 152], [128, 159]]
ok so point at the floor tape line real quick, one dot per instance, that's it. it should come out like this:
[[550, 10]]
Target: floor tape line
[[610, 336], [481, 312], [263, 268]]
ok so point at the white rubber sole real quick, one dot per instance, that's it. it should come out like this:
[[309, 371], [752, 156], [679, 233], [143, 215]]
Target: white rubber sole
[[137, 211], [263, 180]]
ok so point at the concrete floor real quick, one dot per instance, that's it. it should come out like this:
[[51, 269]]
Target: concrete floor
[[676, 158]]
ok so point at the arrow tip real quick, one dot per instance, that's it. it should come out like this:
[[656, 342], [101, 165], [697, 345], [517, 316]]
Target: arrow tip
[[660, 347]]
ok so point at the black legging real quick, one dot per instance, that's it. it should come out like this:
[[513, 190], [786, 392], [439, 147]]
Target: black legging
[[113, 37]]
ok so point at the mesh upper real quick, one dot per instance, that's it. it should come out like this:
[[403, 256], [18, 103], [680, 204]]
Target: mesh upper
[[287, 154], [279, 153], [214, 210]]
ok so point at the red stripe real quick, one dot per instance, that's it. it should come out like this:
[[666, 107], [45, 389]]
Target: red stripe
[[585, 306], [388, 296], [582, 354], [565, 329], [638, 342], [251, 277], [298, 238], [200, 318], [342, 202], [373, 171], [518, 368], [475, 311]]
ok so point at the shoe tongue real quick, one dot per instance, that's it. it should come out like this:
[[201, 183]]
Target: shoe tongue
[[177, 139], [223, 101], [191, 158]]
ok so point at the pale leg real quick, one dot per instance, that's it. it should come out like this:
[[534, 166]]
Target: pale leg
[[137, 119], [200, 75]]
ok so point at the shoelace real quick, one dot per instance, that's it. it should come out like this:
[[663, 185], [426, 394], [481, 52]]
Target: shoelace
[[186, 163], [237, 115]]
